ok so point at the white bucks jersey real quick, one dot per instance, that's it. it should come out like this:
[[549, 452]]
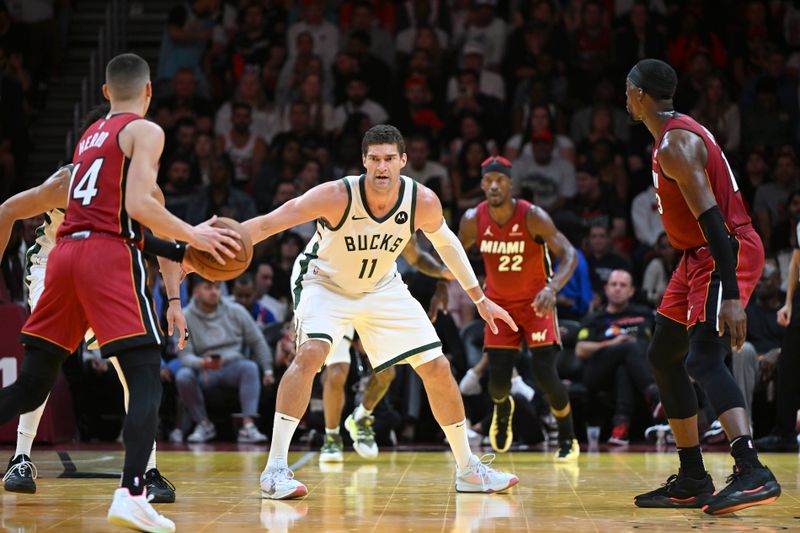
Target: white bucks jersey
[[358, 255], [45, 239]]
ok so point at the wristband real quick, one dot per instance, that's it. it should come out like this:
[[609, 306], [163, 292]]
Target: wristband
[[479, 300], [174, 298]]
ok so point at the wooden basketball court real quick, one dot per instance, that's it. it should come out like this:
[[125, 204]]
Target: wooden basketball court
[[401, 491]]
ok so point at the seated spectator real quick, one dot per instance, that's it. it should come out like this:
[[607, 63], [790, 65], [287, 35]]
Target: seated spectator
[[602, 260], [646, 220], [296, 68], [186, 102], [213, 358], [766, 123], [659, 270], [358, 102], [613, 342], [717, 113], [185, 39], [466, 175], [324, 34], [263, 278], [483, 25], [594, 204], [489, 83], [301, 130], [418, 114], [181, 140], [177, 187], [591, 46], [290, 246], [219, 197], [538, 121], [429, 173], [377, 74], [245, 148], [244, 294], [250, 44], [202, 157], [424, 36], [541, 178], [603, 95], [265, 119], [471, 98], [769, 206], [754, 173], [574, 298], [363, 18], [321, 112]]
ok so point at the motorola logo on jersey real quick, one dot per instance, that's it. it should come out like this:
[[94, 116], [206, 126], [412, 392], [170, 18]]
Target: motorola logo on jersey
[[401, 217]]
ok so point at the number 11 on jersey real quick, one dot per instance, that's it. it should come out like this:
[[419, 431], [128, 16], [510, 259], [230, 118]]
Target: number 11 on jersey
[[372, 264]]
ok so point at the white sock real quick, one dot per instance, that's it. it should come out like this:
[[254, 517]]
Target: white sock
[[459, 442], [26, 430], [361, 412], [334, 431], [151, 461], [283, 428]]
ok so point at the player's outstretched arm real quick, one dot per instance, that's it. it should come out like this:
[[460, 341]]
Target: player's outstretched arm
[[425, 262], [49, 195], [430, 220], [327, 201], [540, 224], [682, 156], [143, 141]]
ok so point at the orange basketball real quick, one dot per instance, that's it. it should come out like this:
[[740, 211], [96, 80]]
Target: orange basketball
[[208, 267]]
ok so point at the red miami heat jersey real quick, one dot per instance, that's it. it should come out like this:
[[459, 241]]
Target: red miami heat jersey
[[99, 175], [506, 251], [680, 225]]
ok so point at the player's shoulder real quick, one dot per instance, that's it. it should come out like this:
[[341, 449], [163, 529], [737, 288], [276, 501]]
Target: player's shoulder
[[143, 126]]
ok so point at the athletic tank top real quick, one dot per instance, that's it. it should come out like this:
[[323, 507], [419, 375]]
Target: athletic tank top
[[358, 254], [517, 264], [99, 176], [680, 225]]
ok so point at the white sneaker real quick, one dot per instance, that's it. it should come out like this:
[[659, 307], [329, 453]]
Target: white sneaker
[[135, 512], [363, 436], [176, 436], [279, 484], [470, 384], [479, 477], [203, 432], [518, 386], [250, 434]]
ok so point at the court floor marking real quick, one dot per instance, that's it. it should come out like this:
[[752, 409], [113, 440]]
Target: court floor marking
[[394, 489], [517, 494]]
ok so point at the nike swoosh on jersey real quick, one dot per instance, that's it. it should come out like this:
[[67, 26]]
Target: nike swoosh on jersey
[[357, 218]]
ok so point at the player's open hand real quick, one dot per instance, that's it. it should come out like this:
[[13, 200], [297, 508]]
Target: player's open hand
[[216, 241], [490, 312], [784, 315], [545, 301], [733, 320], [176, 320], [439, 301]]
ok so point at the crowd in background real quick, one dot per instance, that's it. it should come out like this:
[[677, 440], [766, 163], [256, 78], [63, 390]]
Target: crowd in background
[[263, 99]]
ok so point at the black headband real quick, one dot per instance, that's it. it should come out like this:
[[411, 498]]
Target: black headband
[[654, 77], [495, 166]]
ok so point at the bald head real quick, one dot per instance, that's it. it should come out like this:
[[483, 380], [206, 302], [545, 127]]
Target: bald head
[[127, 76]]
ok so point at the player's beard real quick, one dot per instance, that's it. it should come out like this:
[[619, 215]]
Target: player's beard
[[633, 118]]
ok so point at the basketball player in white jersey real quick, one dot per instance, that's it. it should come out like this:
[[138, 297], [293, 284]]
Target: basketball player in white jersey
[[337, 367], [51, 198], [348, 276]]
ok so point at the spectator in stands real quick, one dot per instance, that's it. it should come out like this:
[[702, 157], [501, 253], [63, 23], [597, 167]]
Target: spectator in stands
[[613, 342], [320, 110], [484, 26], [659, 270], [769, 206], [466, 174], [489, 83], [538, 120], [300, 130], [281, 168], [752, 175], [245, 148], [646, 219], [422, 35], [181, 139], [219, 197], [362, 18], [602, 260], [188, 32], [265, 118], [324, 34], [693, 37], [291, 244], [429, 173], [263, 278], [377, 74], [177, 187], [186, 102], [11, 64], [638, 38], [244, 294], [202, 157], [549, 182], [250, 45], [296, 68], [14, 142], [591, 44], [574, 298], [358, 102], [603, 95], [472, 99], [213, 358], [418, 115], [594, 204], [37, 23], [766, 123], [718, 114]]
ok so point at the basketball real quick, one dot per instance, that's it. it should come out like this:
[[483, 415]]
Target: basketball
[[208, 267]]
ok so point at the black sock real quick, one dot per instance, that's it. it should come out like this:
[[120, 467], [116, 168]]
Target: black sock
[[566, 431], [134, 484], [743, 451], [692, 462]]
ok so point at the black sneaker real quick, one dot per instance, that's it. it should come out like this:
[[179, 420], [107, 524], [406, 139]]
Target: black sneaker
[[20, 475], [747, 486], [159, 488], [776, 443], [500, 433], [678, 492]]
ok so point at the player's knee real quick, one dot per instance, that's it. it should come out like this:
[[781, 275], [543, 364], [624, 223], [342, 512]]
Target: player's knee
[[310, 357], [700, 365], [436, 369], [336, 375]]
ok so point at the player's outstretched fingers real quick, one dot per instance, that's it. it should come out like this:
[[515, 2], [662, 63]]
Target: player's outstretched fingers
[[505, 317]]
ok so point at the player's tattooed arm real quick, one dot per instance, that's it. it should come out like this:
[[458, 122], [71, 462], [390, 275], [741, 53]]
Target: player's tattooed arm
[[327, 201], [425, 262], [49, 195]]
